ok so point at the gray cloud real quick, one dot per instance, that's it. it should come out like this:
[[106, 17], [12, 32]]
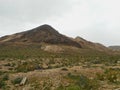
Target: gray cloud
[[95, 20], [17, 15], [29, 10]]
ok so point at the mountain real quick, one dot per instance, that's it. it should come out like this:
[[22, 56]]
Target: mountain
[[48, 35], [41, 34], [116, 48], [42, 58]]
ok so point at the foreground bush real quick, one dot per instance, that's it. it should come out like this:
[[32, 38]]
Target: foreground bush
[[111, 75], [81, 82], [2, 84], [17, 80]]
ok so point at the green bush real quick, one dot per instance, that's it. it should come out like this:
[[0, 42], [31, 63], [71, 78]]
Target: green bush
[[1, 72], [2, 84], [84, 83], [64, 69], [5, 77], [111, 75], [17, 80], [73, 87], [8, 64], [100, 76]]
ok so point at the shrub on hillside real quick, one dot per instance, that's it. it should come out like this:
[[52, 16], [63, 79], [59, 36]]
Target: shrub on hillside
[[84, 83], [17, 80], [5, 77], [64, 69], [111, 75], [2, 84]]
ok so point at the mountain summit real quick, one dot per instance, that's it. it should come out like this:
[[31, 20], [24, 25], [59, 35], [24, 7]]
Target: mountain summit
[[44, 33]]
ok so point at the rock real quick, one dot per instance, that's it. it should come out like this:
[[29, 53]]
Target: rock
[[23, 81]]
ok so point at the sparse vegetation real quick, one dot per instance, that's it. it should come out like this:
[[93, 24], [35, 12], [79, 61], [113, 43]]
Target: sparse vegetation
[[58, 67], [111, 75], [5, 77], [17, 80], [64, 69], [2, 84], [83, 82]]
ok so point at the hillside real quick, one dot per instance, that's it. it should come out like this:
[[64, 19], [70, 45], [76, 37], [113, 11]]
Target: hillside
[[48, 35], [90, 45], [44, 59]]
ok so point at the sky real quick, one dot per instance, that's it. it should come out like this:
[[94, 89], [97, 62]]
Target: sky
[[93, 20]]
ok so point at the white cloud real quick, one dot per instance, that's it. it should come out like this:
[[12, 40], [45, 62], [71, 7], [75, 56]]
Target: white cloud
[[95, 20]]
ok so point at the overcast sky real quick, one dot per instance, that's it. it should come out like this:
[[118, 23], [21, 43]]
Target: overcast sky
[[94, 20]]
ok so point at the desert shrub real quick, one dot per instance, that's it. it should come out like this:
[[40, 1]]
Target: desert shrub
[[73, 87], [112, 75], [64, 69], [74, 77], [13, 64], [17, 80], [36, 85], [84, 83], [26, 67], [61, 87], [96, 62], [10, 68], [70, 87], [8, 64], [1, 72], [5, 77], [87, 84], [2, 84], [100, 76]]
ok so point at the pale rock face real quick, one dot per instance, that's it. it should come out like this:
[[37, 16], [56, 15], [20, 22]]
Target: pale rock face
[[52, 48]]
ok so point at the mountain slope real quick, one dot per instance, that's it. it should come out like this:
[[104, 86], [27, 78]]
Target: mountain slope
[[90, 45], [43, 58], [48, 35], [41, 34]]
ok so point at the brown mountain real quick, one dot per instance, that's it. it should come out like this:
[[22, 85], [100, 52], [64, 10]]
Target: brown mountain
[[90, 45], [41, 34], [47, 34]]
